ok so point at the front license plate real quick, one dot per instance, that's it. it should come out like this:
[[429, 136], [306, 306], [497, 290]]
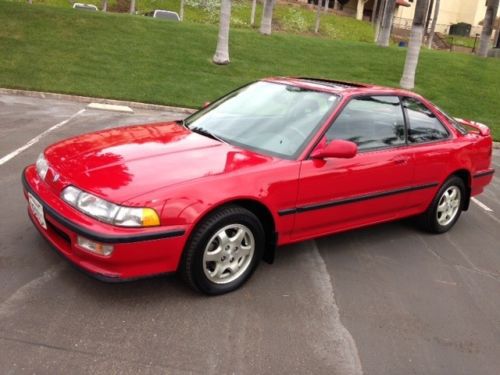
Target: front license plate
[[37, 209]]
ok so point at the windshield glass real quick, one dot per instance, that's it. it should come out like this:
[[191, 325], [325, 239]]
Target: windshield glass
[[266, 117]]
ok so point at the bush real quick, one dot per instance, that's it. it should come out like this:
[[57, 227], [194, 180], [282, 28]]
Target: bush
[[294, 21]]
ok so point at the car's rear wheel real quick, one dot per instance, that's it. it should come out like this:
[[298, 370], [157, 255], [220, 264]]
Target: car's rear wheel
[[446, 207], [223, 251]]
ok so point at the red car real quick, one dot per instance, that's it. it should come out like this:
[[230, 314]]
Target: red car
[[277, 161]]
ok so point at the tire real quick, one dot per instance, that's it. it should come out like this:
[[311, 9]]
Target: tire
[[445, 208], [223, 251]]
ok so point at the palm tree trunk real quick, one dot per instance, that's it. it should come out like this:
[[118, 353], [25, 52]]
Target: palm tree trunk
[[374, 11], [327, 5], [360, 9], [416, 35], [489, 18], [336, 5], [132, 7], [221, 56], [267, 18], [384, 35], [104, 5], [252, 16], [428, 16], [380, 15], [181, 10], [433, 24], [318, 17]]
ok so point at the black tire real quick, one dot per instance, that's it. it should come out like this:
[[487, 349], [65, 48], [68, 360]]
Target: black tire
[[429, 219], [192, 266]]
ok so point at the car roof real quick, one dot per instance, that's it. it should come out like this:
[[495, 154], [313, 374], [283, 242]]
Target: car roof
[[339, 87]]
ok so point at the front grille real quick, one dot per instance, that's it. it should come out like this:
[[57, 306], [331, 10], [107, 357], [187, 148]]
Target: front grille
[[59, 232]]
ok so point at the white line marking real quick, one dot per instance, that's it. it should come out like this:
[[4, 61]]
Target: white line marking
[[340, 347], [110, 107], [482, 205], [14, 153]]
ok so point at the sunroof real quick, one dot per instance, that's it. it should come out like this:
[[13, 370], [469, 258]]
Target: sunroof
[[330, 83]]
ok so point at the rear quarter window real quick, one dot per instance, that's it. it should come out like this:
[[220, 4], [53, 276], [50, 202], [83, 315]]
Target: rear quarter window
[[423, 125]]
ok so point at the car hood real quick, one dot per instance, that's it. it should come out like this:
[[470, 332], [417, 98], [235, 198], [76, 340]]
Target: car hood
[[121, 163]]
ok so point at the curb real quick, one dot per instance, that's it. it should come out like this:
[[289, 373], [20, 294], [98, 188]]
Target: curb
[[86, 99]]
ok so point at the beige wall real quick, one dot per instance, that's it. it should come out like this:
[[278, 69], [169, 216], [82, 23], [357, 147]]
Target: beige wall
[[451, 12]]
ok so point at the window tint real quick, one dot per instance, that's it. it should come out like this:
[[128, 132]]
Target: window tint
[[371, 122], [423, 126]]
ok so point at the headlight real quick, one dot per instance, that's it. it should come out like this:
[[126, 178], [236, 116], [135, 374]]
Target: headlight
[[42, 166], [108, 212]]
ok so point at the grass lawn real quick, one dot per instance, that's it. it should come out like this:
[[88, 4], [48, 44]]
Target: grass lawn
[[137, 58], [462, 41], [292, 19]]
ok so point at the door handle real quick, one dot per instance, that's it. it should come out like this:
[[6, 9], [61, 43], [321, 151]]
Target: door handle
[[401, 160]]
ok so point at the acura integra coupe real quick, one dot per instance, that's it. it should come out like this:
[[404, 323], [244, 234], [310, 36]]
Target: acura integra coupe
[[277, 161]]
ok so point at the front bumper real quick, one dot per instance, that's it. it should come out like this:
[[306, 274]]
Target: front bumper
[[138, 252]]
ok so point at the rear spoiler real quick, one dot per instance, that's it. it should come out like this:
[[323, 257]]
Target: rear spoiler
[[476, 126]]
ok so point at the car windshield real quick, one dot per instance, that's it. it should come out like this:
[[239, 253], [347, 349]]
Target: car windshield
[[271, 118]]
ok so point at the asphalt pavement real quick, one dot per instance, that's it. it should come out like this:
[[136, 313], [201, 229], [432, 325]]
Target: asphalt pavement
[[387, 299]]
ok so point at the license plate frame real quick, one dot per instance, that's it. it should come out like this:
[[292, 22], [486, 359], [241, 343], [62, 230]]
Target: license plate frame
[[37, 209]]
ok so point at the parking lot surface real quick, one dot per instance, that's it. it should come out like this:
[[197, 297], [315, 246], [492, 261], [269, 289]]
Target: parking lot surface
[[387, 299]]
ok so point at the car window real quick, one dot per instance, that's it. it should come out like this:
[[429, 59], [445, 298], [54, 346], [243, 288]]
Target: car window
[[458, 126], [272, 118], [371, 122], [423, 125], [166, 14]]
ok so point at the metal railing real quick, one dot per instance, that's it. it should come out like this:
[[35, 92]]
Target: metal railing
[[406, 23]]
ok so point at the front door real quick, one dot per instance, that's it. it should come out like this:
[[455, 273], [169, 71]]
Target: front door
[[337, 194]]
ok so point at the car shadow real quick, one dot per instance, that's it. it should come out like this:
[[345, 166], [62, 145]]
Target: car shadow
[[287, 256]]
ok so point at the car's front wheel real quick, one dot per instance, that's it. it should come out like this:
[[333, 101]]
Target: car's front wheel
[[223, 251], [446, 207]]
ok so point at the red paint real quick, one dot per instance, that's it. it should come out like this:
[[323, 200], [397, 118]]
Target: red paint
[[337, 148], [184, 176]]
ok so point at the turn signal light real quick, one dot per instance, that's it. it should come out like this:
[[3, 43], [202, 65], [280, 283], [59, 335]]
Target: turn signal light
[[94, 247]]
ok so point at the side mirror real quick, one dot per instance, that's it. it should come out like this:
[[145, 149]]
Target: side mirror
[[337, 148], [206, 104]]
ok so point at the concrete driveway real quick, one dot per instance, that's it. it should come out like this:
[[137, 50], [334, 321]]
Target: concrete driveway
[[388, 299]]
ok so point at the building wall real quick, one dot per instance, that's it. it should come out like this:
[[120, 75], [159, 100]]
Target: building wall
[[451, 12]]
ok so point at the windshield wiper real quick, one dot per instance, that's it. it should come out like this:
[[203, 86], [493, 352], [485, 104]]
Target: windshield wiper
[[206, 133]]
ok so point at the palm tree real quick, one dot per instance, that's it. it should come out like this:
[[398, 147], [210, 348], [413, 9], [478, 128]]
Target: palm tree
[[318, 17], [221, 56], [267, 17], [181, 10], [384, 34], [105, 5], [380, 15], [132, 7], [416, 36], [360, 9], [433, 25], [252, 15], [374, 11], [489, 18], [327, 5]]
